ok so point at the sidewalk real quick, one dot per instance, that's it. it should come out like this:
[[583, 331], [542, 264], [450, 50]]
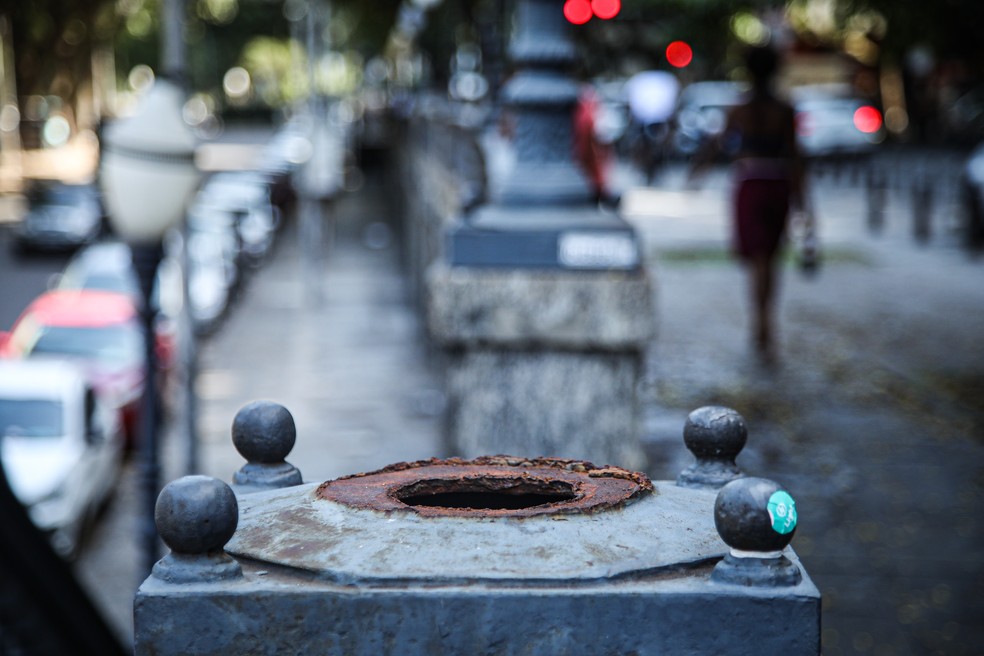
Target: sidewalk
[[872, 419], [350, 368]]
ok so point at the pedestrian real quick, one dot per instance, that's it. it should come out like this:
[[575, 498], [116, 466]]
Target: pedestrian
[[595, 157], [767, 176]]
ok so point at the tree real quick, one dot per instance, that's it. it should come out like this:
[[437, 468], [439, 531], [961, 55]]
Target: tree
[[53, 42]]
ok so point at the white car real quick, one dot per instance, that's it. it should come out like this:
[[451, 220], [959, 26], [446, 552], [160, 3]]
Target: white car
[[702, 113], [61, 447], [241, 200], [830, 123]]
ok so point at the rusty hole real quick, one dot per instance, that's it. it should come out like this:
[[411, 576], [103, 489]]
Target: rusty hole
[[539, 486], [493, 493]]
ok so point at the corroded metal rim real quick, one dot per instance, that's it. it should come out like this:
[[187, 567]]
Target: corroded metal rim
[[581, 486]]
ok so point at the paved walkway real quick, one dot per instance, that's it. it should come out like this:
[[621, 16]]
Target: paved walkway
[[872, 419], [349, 366]]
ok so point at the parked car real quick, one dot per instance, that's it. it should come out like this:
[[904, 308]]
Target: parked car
[[108, 265], [212, 276], [279, 160], [831, 123], [60, 217], [105, 265], [242, 201], [100, 330], [61, 447], [702, 113]]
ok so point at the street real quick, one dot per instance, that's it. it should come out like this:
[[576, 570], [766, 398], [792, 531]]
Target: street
[[872, 419]]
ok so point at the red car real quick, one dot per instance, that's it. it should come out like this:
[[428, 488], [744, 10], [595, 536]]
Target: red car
[[101, 330]]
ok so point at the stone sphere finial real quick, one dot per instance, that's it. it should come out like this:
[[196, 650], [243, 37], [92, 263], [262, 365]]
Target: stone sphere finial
[[264, 433], [715, 435], [757, 519], [196, 516]]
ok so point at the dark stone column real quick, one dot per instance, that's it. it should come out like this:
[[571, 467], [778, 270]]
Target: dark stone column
[[543, 301]]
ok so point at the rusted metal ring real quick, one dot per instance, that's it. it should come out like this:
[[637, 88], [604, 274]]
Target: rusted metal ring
[[490, 486]]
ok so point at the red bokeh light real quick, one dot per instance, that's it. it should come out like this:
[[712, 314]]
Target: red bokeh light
[[606, 9], [867, 119], [679, 54], [577, 11]]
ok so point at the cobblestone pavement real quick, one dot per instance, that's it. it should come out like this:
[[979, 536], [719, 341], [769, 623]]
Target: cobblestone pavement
[[872, 418]]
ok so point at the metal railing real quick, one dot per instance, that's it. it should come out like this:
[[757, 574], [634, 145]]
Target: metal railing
[[441, 171]]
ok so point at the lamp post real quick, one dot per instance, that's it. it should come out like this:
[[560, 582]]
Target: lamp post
[[542, 302], [543, 216], [148, 175]]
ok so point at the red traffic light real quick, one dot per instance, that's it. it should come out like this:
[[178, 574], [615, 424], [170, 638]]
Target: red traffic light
[[580, 12], [867, 119], [679, 54], [606, 9], [577, 11]]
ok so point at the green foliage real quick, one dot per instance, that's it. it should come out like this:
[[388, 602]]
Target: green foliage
[[54, 40], [272, 64]]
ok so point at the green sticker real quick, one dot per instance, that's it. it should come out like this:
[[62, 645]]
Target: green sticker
[[782, 512]]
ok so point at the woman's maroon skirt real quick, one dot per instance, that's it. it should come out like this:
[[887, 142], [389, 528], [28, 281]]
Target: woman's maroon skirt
[[761, 211]]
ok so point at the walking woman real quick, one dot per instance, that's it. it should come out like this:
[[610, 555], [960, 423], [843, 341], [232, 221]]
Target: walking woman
[[760, 138]]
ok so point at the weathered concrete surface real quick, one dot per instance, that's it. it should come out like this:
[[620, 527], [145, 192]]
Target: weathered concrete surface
[[272, 612], [605, 311], [555, 403], [543, 362], [668, 529]]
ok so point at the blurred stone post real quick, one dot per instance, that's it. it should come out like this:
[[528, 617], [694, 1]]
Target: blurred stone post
[[542, 302]]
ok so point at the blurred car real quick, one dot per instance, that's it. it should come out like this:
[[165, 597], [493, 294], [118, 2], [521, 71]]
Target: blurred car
[[832, 123], [212, 276], [278, 161], [612, 118], [702, 112], [100, 330], [61, 448], [108, 266], [105, 265], [242, 201], [60, 217], [214, 261]]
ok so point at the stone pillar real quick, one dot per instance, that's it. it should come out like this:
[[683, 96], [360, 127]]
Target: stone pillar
[[543, 362], [542, 302], [491, 555]]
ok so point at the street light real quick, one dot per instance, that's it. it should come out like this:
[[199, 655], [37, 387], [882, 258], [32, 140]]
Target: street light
[[148, 174]]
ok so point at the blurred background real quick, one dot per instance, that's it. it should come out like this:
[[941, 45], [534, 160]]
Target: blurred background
[[298, 107], [67, 66]]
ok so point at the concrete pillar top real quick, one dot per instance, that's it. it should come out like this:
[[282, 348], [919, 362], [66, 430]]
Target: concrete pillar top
[[472, 537]]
